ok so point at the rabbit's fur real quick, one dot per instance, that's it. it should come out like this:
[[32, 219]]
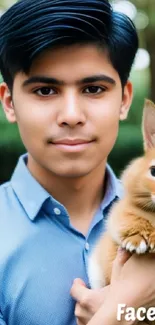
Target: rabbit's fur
[[131, 221]]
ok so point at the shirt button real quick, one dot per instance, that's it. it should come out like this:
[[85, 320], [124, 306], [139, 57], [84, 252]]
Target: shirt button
[[87, 246], [57, 211]]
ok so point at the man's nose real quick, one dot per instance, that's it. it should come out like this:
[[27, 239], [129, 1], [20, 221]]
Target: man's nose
[[71, 111]]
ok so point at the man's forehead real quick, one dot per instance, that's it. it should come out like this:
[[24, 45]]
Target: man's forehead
[[70, 55], [71, 65]]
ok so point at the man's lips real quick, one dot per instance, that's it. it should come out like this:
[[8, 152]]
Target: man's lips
[[71, 142], [72, 145]]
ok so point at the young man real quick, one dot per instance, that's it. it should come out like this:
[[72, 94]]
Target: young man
[[65, 66]]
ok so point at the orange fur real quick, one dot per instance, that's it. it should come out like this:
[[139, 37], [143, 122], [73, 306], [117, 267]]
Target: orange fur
[[131, 221]]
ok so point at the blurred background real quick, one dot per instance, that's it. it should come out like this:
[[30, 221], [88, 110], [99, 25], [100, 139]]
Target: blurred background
[[129, 143]]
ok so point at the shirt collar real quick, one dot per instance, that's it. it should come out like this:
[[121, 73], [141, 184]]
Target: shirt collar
[[32, 195], [29, 192], [114, 189]]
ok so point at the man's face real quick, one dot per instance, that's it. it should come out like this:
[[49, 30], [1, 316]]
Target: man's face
[[71, 95]]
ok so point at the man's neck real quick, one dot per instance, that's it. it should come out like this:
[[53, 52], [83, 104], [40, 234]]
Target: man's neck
[[81, 197]]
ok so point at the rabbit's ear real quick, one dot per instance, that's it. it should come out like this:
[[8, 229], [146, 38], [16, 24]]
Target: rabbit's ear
[[148, 125]]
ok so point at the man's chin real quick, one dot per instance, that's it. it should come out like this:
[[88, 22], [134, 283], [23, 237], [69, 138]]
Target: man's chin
[[72, 173]]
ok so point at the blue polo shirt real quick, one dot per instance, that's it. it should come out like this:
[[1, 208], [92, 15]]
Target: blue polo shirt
[[40, 252]]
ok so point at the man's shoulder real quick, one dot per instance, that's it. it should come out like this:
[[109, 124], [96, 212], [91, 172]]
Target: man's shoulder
[[13, 224], [5, 193], [9, 203], [5, 185]]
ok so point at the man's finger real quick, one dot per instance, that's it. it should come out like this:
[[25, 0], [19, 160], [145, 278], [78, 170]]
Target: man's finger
[[79, 281], [121, 257], [82, 314], [79, 291]]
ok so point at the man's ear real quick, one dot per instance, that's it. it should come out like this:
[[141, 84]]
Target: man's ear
[[126, 100], [6, 99], [148, 125]]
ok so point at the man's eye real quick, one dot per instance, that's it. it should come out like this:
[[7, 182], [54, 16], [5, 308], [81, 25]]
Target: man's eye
[[152, 171], [94, 90], [44, 91]]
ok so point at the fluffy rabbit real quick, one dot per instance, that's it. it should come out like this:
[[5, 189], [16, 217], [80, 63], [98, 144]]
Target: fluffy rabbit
[[131, 221]]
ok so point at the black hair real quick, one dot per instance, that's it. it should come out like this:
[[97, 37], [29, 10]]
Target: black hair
[[30, 27]]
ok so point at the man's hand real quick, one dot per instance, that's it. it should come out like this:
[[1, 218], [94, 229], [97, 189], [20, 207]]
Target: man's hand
[[89, 301], [132, 283], [138, 277], [135, 287]]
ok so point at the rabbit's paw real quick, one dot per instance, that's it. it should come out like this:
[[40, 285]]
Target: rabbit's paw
[[151, 242], [135, 243]]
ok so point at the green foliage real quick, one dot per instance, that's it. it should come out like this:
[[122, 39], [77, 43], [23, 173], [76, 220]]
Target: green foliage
[[141, 90], [129, 144], [10, 147]]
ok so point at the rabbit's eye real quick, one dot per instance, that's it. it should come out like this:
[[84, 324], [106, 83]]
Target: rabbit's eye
[[152, 171]]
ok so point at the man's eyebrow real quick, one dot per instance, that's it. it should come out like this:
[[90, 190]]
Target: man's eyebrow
[[50, 80], [100, 77], [42, 79]]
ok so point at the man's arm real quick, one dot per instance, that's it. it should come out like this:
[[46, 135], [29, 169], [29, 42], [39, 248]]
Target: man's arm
[[95, 302], [107, 315]]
